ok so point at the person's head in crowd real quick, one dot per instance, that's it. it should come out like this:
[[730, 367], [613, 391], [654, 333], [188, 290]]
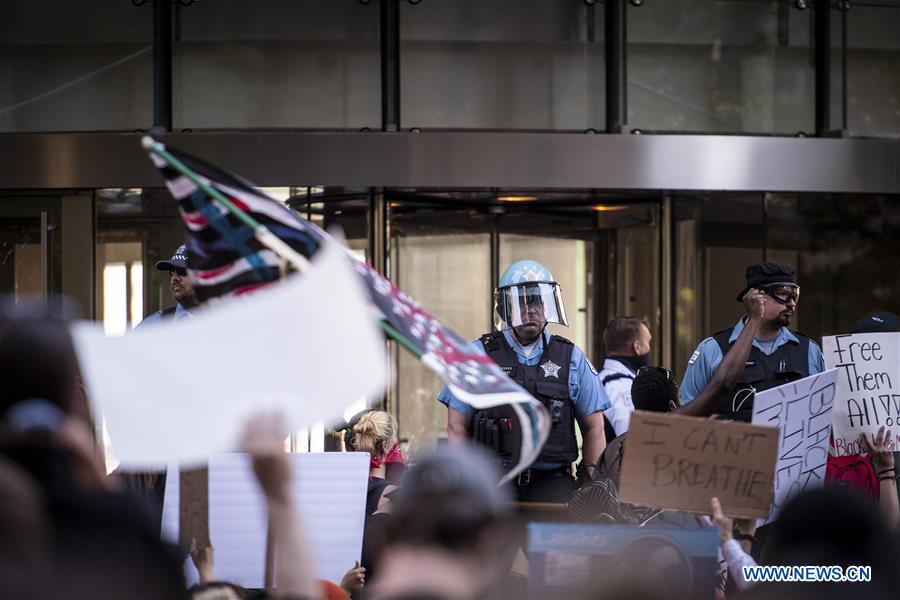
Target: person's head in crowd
[[880, 322], [24, 532], [37, 362], [834, 526], [217, 590], [778, 282], [628, 338], [655, 389], [103, 544], [179, 282], [375, 432], [450, 518]]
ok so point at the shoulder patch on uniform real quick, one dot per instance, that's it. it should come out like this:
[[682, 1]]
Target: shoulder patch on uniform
[[591, 366], [694, 356]]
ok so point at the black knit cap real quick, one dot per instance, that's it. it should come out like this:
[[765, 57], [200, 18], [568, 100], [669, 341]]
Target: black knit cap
[[880, 322], [767, 273]]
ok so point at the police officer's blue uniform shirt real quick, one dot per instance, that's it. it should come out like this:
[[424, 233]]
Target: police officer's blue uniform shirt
[[708, 355], [180, 313], [585, 391]]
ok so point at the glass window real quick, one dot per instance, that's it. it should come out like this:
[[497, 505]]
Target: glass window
[[135, 228], [719, 66], [872, 53], [637, 279], [842, 246], [449, 275], [310, 64], [504, 64], [67, 65], [845, 249]]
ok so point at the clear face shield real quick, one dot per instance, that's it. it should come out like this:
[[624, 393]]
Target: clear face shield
[[530, 304]]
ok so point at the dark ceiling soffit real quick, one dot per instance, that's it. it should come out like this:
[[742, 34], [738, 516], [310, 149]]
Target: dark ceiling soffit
[[468, 160]]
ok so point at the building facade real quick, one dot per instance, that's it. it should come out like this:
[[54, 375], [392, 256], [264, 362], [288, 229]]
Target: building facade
[[645, 150]]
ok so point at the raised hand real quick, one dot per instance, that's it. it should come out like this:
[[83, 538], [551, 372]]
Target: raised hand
[[354, 579], [755, 303], [882, 444], [725, 524], [263, 438]]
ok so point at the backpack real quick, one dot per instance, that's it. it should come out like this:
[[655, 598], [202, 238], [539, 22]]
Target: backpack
[[853, 471], [608, 428], [598, 501]]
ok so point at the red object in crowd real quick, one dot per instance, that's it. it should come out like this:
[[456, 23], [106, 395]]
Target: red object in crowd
[[854, 471], [394, 455], [332, 591]]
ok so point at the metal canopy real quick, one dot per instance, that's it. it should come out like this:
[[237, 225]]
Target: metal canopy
[[468, 160]]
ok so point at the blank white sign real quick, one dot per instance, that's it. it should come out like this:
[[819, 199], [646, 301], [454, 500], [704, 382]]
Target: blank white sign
[[330, 493]]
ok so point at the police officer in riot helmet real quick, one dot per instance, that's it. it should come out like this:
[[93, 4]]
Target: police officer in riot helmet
[[778, 355], [552, 369]]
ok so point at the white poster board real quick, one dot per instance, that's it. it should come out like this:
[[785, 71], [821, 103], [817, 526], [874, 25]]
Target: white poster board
[[308, 347], [868, 386], [802, 412], [330, 493]]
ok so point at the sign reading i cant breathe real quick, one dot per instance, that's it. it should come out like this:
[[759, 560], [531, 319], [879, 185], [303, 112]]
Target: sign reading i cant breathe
[[682, 462], [868, 386]]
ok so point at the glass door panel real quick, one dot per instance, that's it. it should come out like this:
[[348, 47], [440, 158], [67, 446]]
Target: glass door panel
[[29, 246]]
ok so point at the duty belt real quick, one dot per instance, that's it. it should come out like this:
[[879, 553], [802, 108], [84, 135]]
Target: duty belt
[[529, 475]]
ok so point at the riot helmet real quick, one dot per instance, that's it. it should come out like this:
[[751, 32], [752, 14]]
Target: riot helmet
[[527, 293]]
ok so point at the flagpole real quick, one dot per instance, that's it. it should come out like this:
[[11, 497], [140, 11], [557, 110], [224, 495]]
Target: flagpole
[[262, 233]]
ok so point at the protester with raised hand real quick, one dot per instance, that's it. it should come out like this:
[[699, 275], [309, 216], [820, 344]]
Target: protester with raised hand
[[736, 556], [354, 580], [263, 438], [882, 447]]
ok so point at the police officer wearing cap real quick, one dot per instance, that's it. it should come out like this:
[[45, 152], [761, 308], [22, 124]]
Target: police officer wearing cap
[[778, 355], [182, 290], [552, 369]]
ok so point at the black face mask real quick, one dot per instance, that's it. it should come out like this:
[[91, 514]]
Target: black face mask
[[633, 362]]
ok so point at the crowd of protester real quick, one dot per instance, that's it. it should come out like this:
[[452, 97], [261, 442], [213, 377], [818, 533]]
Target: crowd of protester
[[440, 528]]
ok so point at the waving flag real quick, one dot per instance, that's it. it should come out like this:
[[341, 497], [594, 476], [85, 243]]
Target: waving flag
[[230, 229]]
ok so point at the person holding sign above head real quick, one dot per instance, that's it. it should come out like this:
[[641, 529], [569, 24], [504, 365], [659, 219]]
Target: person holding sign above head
[[777, 356], [856, 469], [549, 367]]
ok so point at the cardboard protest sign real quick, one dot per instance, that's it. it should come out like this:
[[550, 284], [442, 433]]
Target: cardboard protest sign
[[868, 386], [681, 462], [193, 517], [802, 412]]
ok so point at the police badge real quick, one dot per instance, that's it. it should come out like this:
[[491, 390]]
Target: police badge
[[551, 369]]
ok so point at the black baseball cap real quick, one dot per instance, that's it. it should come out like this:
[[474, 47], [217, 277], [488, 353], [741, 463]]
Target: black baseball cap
[[767, 273], [880, 322], [178, 261]]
